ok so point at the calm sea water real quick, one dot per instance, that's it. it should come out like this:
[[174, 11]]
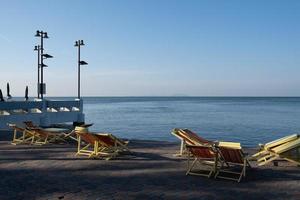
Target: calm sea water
[[242, 119]]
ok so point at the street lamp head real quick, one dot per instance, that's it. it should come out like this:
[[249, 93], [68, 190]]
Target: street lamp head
[[81, 42], [76, 44], [82, 62], [46, 35], [43, 65], [47, 56], [37, 34]]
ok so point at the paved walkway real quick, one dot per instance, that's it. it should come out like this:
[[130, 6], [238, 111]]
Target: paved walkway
[[151, 172]]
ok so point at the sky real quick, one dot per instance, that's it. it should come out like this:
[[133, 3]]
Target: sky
[[154, 47]]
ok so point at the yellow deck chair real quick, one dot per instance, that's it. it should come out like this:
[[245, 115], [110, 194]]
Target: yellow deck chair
[[20, 135], [289, 151], [41, 136], [187, 137], [99, 144], [286, 148], [233, 161]]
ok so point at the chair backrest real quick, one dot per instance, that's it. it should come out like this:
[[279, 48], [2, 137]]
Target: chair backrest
[[81, 129], [287, 146], [30, 124], [106, 139], [202, 151], [40, 132], [88, 137], [189, 137], [280, 141], [231, 155]]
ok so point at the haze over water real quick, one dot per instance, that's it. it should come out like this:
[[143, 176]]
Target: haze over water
[[249, 120]]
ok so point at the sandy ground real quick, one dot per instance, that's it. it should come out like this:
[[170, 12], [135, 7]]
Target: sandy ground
[[150, 172]]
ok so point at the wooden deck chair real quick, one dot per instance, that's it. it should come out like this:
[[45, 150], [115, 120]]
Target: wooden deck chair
[[50, 137], [232, 155], [41, 136], [205, 157], [187, 137], [111, 143], [289, 151], [264, 149], [99, 145], [25, 137]]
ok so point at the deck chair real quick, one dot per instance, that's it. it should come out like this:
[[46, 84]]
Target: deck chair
[[266, 152], [187, 137], [99, 145], [44, 137], [20, 135], [41, 136], [233, 161], [205, 157], [287, 148]]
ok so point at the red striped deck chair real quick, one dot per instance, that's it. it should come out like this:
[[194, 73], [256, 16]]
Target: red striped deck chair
[[235, 159], [205, 160], [99, 145], [42, 136], [188, 137]]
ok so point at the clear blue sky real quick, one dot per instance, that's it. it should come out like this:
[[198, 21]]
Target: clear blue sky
[[154, 47]]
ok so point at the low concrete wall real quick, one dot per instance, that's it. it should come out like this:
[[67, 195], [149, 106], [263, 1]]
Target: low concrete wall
[[42, 113]]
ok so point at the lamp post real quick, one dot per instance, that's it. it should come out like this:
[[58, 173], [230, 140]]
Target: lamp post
[[79, 43], [38, 49], [41, 58]]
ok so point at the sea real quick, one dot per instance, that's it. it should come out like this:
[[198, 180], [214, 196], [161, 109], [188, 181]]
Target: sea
[[249, 120]]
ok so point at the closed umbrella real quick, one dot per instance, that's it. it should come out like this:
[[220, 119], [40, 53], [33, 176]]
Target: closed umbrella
[[1, 96], [8, 91], [26, 93]]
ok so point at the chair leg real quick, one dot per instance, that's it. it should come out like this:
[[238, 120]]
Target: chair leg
[[14, 141], [245, 167], [191, 167], [79, 144]]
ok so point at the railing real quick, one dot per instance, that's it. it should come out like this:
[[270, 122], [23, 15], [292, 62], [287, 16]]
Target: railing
[[17, 105], [44, 112]]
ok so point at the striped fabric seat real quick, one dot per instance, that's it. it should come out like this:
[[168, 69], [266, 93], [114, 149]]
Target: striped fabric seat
[[205, 160], [233, 161]]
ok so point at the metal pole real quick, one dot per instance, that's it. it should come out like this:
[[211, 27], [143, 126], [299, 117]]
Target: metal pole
[[78, 69], [38, 85], [42, 66]]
